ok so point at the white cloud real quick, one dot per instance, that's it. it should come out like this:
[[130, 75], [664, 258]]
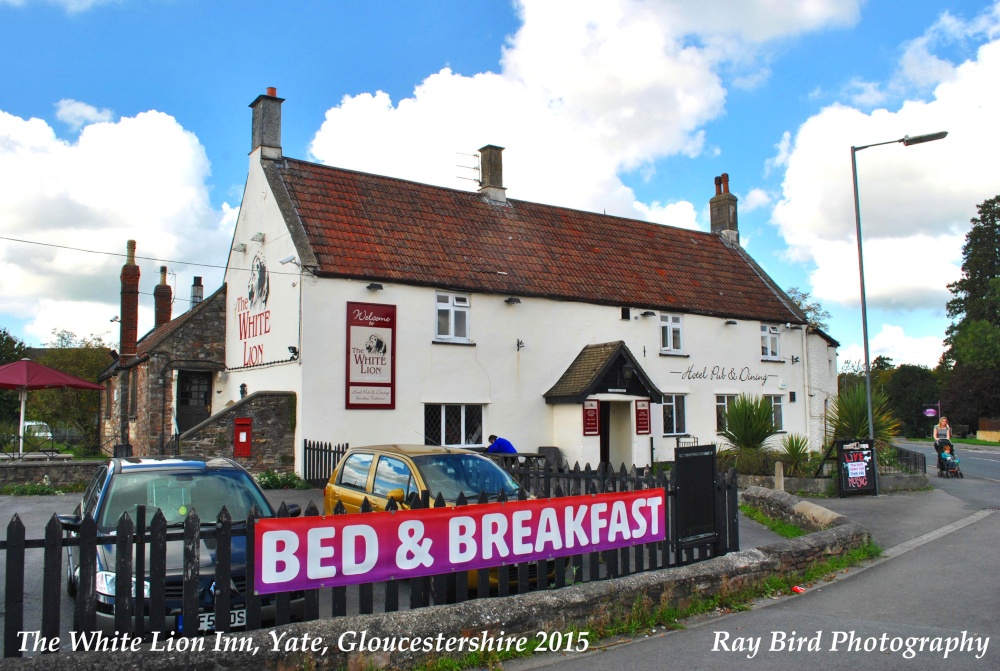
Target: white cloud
[[140, 178], [893, 342], [681, 214], [69, 5], [76, 114], [754, 200], [916, 201], [588, 90]]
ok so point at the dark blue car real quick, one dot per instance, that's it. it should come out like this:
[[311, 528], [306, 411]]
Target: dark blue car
[[175, 486]]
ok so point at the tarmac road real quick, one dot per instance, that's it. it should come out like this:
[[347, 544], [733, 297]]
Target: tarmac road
[[936, 580]]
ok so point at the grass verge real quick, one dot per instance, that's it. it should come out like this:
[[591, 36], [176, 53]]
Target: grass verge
[[780, 527]]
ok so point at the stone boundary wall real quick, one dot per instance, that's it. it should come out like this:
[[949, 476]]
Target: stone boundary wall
[[61, 473], [583, 606], [828, 486], [272, 441]]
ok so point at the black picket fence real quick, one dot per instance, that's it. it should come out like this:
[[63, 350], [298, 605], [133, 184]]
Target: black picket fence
[[700, 519], [318, 461]]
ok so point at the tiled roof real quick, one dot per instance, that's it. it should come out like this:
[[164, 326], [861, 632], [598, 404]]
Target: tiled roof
[[592, 363], [371, 227]]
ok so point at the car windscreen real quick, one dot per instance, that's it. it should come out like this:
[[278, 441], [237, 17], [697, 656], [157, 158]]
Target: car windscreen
[[454, 474], [178, 493]]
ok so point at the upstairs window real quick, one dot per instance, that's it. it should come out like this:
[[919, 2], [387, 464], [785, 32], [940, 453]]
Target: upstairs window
[[452, 317], [671, 329], [769, 341]]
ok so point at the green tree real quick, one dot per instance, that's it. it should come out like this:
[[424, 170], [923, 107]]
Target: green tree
[[813, 310], [11, 349], [975, 295], [84, 357], [911, 389], [970, 365]]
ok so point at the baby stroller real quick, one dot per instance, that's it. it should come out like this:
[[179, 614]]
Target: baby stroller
[[947, 468]]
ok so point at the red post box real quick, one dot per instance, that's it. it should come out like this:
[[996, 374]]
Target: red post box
[[242, 431]]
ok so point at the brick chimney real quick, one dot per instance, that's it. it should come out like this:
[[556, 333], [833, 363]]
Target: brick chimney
[[491, 173], [266, 126], [197, 291], [162, 297], [723, 210], [129, 332]]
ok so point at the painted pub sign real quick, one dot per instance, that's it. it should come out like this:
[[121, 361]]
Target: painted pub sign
[[371, 356]]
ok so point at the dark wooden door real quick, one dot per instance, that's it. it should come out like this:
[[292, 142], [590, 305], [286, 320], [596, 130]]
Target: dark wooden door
[[605, 410], [193, 399]]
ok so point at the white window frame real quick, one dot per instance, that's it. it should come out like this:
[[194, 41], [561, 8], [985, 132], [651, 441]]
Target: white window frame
[[770, 341], [776, 410], [670, 401], [722, 403], [671, 333], [457, 307]]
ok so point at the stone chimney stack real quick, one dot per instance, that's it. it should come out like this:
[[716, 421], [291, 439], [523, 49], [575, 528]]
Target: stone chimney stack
[[197, 292], [162, 298], [129, 332], [491, 173], [266, 127], [723, 210]]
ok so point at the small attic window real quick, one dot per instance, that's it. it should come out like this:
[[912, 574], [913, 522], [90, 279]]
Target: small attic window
[[626, 313]]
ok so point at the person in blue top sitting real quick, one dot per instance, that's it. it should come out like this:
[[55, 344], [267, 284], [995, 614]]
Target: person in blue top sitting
[[500, 445]]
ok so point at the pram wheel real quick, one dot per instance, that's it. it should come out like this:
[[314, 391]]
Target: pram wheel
[[961, 474]]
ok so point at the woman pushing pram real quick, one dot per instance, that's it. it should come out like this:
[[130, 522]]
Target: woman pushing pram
[[948, 463]]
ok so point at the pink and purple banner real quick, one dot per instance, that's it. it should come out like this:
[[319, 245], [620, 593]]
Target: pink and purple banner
[[312, 552]]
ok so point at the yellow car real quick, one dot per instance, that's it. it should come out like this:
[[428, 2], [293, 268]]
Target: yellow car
[[381, 472]]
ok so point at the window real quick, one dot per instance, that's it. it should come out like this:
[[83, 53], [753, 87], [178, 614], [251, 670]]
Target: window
[[452, 317], [670, 333], [776, 411], [392, 474], [455, 425], [673, 414], [769, 341], [108, 396], [354, 474], [722, 403]]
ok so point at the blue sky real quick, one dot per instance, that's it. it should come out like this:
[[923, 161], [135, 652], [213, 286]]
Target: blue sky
[[128, 119]]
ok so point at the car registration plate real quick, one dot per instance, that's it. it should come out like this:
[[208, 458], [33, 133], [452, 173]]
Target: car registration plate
[[206, 621]]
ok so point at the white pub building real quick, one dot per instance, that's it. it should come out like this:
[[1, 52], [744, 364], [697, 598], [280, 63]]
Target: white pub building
[[399, 312]]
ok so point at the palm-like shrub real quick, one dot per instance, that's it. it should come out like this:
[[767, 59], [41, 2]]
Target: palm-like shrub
[[848, 416], [795, 453], [749, 424]]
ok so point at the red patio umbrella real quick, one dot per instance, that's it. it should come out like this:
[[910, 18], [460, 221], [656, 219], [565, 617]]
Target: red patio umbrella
[[26, 375]]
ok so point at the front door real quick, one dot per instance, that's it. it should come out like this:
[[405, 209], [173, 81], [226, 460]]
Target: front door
[[605, 424], [193, 399]]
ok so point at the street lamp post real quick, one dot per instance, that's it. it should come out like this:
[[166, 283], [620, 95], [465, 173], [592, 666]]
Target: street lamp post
[[906, 141]]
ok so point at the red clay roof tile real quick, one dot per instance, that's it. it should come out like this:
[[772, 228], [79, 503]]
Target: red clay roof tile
[[380, 228]]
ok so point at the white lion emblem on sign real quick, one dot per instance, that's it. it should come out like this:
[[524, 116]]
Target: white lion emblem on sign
[[375, 345]]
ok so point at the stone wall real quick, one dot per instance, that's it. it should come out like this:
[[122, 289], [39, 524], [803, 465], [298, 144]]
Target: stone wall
[[60, 473], [828, 486], [578, 607], [272, 435]]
